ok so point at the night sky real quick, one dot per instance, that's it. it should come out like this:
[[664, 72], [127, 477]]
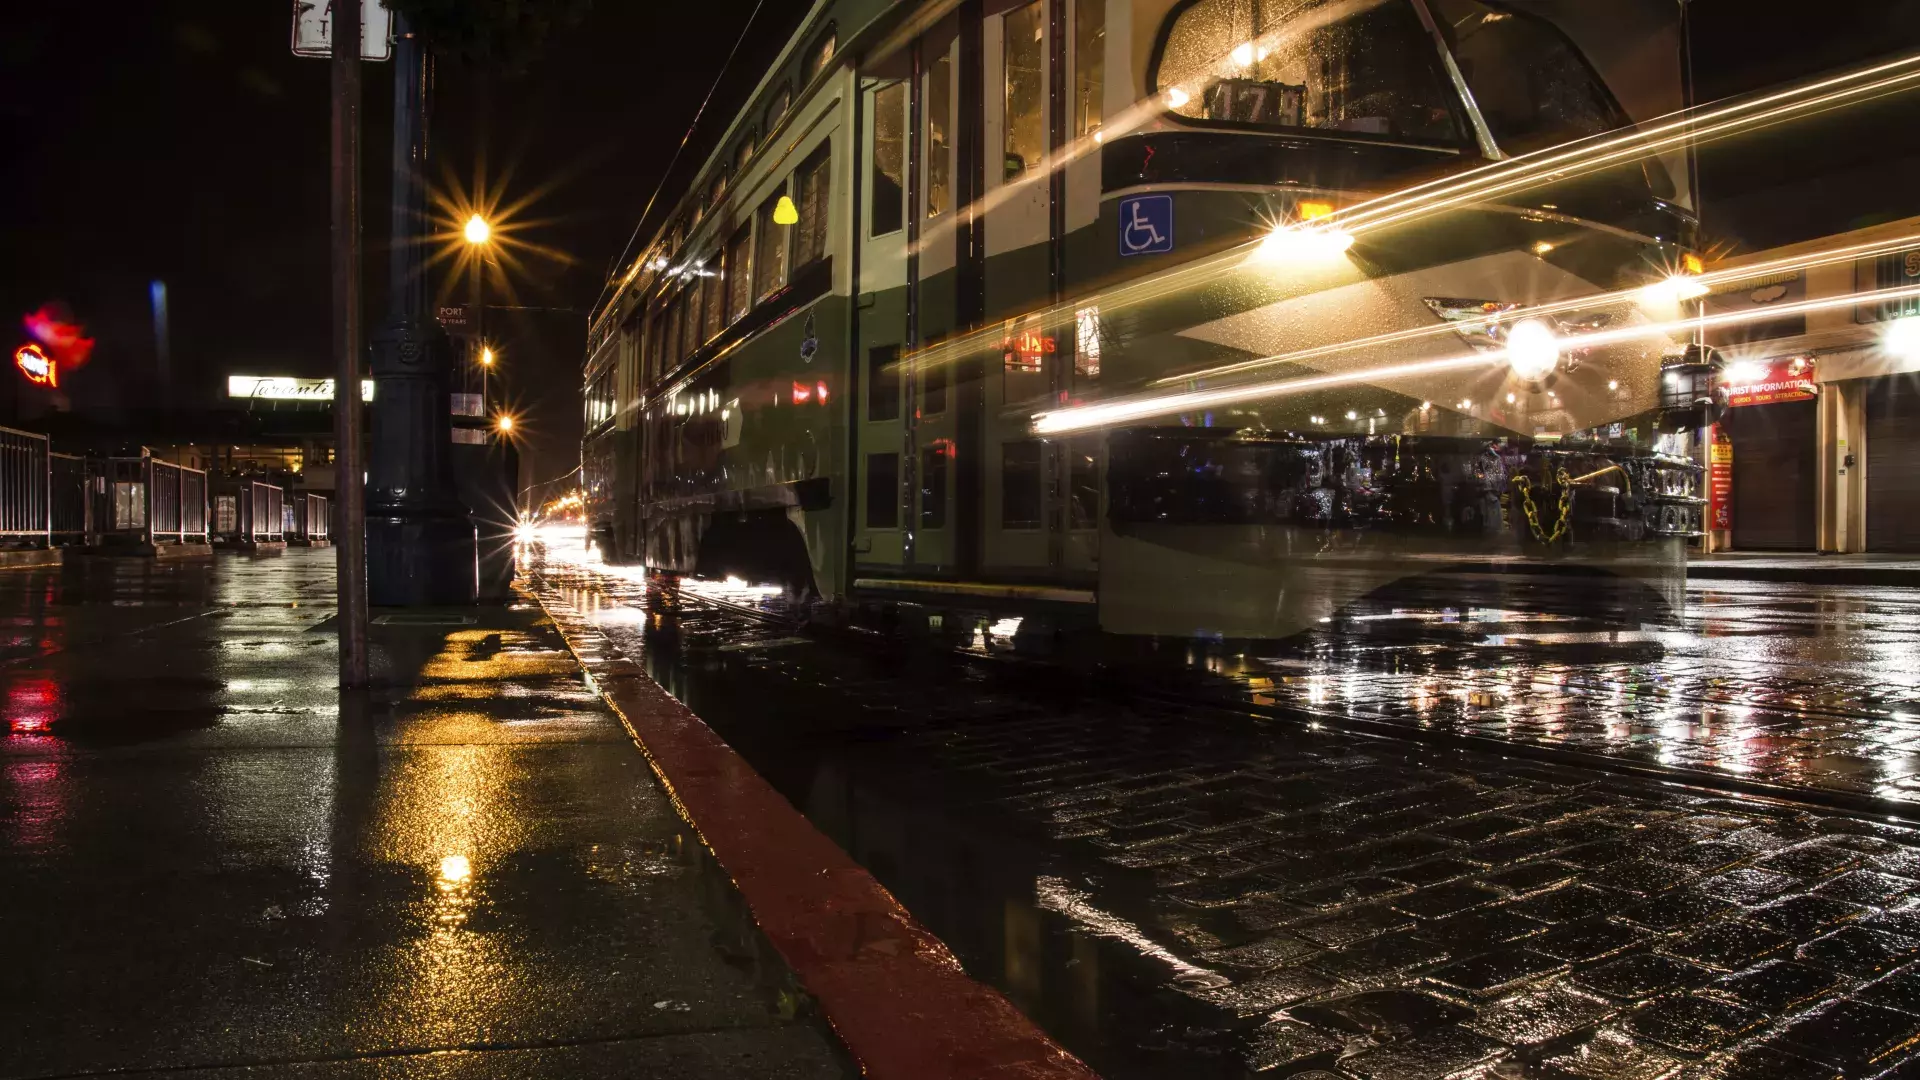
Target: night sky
[[180, 140]]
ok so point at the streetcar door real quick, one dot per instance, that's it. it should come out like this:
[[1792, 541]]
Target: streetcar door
[[935, 270], [1044, 62], [882, 454], [1019, 495]]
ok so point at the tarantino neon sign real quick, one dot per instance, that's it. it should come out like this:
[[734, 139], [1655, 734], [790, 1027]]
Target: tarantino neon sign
[[283, 388]]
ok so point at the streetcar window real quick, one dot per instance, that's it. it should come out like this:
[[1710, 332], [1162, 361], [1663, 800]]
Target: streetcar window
[[810, 184], [770, 254], [670, 356], [744, 152], [821, 54], [1364, 67], [933, 385], [1083, 483], [939, 139], [713, 299], [689, 320], [1532, 86], [883, 491], [1024, 54], [739, 273], [889, 159], [1089, 64], [1020, 485], [933, 486], [883, 382], [718, 193], [777, 111]]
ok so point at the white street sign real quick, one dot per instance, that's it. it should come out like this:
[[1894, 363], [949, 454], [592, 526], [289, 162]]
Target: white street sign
[[313, 29]]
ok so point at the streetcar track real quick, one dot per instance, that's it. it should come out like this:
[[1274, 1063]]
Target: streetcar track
[[1719, 783]]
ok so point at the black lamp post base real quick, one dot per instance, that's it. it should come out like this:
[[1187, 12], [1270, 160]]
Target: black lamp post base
[[421, 560]]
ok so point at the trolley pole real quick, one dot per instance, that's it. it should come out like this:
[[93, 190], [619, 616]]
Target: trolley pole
[[351, 568]]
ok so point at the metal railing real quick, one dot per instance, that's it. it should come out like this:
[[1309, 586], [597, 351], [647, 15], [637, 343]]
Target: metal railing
[[70, 510], [25, 509], [263, 506], [142, 500], [307, 518]]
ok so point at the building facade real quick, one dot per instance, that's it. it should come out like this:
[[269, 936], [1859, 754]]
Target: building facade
[[1822, 427]]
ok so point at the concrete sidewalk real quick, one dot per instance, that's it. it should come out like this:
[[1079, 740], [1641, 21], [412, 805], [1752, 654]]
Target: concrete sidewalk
[[213, 863], [1806, 567]]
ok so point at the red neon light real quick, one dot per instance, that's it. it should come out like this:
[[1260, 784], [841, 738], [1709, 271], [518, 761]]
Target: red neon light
[[36, 365], [801, 392], [820, 392]]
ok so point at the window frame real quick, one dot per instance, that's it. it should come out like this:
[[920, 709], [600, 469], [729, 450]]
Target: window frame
[[1463, 123], [818, 164], [740, 240], [814, 64], [778, 107], [764, 229]]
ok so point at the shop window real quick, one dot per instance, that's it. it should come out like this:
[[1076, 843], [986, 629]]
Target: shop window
[[939, 137], [933, 486], [739, 274], [1089, 64], [1024, 54], [1020, 484], [883, 382], [1367, 69], [883, 491], [811, 184], [889, 159], [770, 253]]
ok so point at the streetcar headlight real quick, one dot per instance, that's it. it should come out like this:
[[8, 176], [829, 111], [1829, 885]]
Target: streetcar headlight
[[1296, 245], [1533, 349]]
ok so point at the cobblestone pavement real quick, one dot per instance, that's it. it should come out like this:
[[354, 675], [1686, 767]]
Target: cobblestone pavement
[[1208, 895], [1794, 685]]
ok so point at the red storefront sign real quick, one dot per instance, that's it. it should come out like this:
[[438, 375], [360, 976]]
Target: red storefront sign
[[1785, 379], [1719, 481]]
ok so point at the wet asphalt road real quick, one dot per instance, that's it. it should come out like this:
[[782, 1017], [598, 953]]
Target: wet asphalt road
[[1198, 892], [213, 865]]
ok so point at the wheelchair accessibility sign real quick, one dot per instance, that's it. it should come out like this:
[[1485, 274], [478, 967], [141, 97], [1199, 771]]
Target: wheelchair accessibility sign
[[1146, 225]]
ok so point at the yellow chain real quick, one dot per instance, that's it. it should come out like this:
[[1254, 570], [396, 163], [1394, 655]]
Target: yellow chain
[[1525, 484]]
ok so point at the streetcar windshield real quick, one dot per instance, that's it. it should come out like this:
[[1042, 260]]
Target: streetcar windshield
[[1531, 84], [1365, 67]]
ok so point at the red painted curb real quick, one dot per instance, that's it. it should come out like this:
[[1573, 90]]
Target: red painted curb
[[894, 993]]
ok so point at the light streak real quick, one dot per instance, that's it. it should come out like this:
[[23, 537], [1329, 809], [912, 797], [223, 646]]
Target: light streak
[[1055, 895], [1501, 178], [1106, 414], [1713, 281]]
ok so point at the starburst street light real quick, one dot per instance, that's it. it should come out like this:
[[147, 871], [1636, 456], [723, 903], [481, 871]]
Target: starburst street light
[[477, 230]]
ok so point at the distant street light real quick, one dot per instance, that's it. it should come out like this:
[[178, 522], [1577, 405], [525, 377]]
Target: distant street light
[[505, 424], [486, 356], [478, 231]]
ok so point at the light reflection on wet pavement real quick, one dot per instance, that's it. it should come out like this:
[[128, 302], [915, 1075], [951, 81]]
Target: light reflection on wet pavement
[[1794, 685], [1187, 892], [212, 865]]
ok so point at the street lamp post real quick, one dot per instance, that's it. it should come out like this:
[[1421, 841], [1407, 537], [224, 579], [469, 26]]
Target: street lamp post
[[421, 544]]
